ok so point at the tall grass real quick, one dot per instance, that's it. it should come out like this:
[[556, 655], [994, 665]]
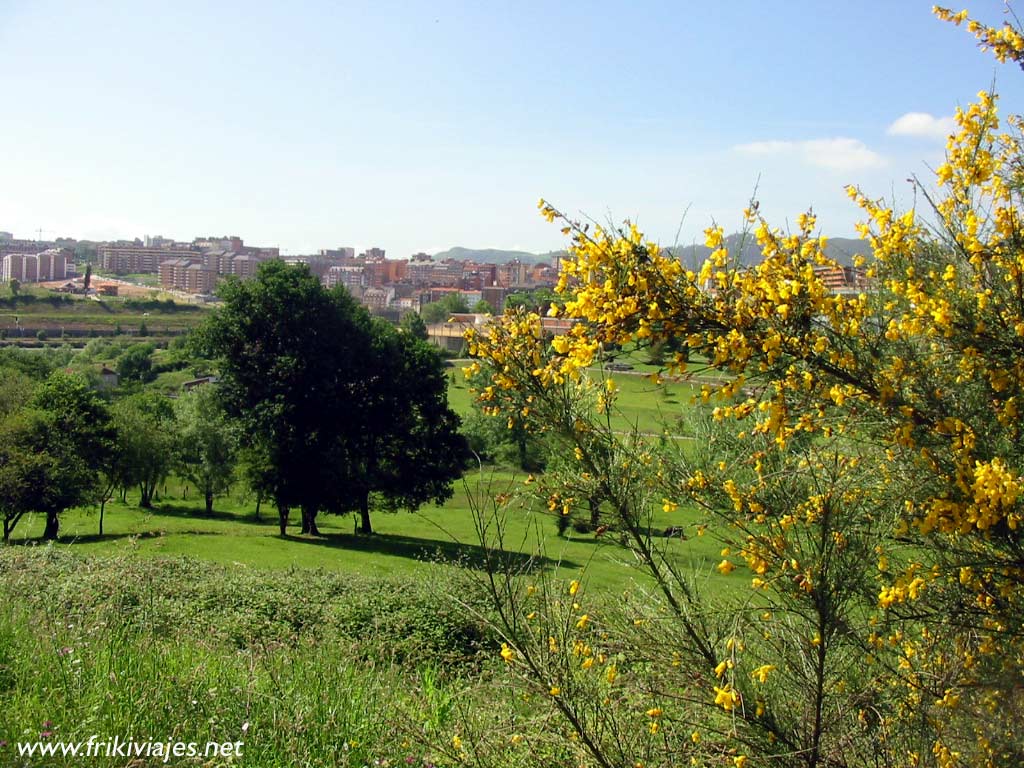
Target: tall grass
[[305, 668]]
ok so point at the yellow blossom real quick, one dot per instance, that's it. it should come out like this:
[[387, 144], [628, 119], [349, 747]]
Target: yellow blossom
[[727, 698], [761, 673]]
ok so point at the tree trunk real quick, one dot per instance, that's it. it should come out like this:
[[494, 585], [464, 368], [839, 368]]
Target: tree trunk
[[145, 496], [52, 526], [282, 518], [309, 521], [209, 501], [103, 503], [364, 513], [259, 501], [595, 511]]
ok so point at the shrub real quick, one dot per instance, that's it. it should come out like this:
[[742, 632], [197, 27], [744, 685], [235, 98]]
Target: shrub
[[867, 491]]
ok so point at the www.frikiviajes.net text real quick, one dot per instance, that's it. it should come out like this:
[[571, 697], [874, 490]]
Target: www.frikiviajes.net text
[[94, 746]]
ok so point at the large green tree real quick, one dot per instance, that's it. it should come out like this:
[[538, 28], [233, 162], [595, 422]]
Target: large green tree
[[408, 449], [440, 311], [336, 406], [413, 324], [291, 357], [136, 363], [27, 469]]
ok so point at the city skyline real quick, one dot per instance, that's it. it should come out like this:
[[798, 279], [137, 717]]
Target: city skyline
[[421, 127]]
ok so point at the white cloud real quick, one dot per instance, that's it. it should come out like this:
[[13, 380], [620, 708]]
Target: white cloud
[[765, 147], [837, 154], [840, 154], [923, 125]]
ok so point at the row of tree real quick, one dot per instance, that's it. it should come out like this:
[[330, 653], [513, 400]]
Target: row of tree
[[319, 407], [63, 445]]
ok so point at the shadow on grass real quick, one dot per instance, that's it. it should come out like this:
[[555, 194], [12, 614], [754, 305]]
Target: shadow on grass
[[618, 539], [95, 538], [167, 509], [466, 555]]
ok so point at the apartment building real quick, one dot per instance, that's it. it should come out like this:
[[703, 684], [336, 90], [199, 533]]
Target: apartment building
[[513, 273], [226, 243], [842, 279], [344, 252], [51, 264], [128, 259], [385, 271], [350, 277], [199, 279], [241, 265], [377, 299]]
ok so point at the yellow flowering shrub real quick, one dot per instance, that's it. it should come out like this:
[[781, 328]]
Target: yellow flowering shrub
[[859, 455]]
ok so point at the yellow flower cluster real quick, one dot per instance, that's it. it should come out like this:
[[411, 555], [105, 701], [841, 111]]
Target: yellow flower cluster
[[1005, 42], [919, 376]]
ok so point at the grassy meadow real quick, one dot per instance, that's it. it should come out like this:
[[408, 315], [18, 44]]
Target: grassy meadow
[[339, 650], [412, 545]]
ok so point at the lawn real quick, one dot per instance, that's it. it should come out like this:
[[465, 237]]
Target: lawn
[[341, 649], [406, 543], [642, 405], [149, 279]]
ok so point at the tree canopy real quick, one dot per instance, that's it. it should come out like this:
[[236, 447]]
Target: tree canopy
[[51, 451], [439, 311], [407, 449], [327, 397], [207, 442], [147, 442]]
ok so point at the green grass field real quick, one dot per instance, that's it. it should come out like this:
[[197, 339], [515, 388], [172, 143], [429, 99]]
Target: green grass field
[[150, 279], [642, 405], [337, 650], [404, 543]]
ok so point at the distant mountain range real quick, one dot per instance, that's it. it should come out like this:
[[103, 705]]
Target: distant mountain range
[[492, 255], [841, 249]]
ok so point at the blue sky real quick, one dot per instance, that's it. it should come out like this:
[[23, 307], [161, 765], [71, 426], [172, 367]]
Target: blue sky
[[419, 126]]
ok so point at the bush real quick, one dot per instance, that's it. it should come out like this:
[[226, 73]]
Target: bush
[[869, 493], [184, 597]]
